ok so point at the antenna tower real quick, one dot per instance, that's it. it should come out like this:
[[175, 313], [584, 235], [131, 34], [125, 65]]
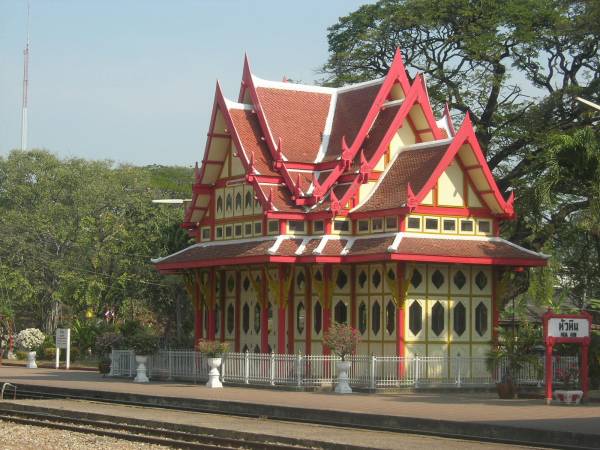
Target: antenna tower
[[25, 88]]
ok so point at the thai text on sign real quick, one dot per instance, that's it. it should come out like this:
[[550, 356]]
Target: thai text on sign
[[568, 327]]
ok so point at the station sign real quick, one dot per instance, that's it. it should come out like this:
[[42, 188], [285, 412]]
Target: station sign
[[63, 336], [568, 327]]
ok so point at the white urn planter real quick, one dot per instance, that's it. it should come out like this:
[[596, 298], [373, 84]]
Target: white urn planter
[[568, 397], [342, 386], [31, 360], [141, 376], [213, 373]]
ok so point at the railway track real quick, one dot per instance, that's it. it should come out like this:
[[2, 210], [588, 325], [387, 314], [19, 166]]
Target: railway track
[[145, 434]]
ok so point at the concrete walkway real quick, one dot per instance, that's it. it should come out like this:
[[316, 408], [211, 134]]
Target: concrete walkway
[[458, 408]]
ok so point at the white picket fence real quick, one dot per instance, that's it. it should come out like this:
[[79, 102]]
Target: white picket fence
[[317, 370]]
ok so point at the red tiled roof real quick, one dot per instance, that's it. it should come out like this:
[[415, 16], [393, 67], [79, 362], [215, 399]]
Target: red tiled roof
[[298, 118], [371, 245], [380, 127], [411, 166], [351, 109], [249, 132], [464, 248]]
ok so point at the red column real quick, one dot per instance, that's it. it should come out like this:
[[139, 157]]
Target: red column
[[495, 308], [326, 303], [308, 323], [353, 295], [585, 381], [281, 311], [222, 283], [264, 315], [549, 372], [238, 307], [197, 313], [211, 304], [291, 324]]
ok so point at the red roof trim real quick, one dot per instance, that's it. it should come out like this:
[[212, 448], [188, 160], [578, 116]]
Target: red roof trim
[[466, 134]]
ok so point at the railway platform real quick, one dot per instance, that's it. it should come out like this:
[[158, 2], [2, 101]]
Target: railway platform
[[462, 415]]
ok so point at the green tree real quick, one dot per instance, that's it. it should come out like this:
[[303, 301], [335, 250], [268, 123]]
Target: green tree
[[516, 67]]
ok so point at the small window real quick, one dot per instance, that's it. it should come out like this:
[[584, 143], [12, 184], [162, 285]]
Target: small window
[[484, 226], [206, 234], [413, 223], [257, 318], [273, 226], [257, 228], [362, 318], [340, 312], [296, 226], [318, 226], [230, 318], [219, 231], [449, 225], [363, 226], [391, 223], [300, 318], [432, 224], [247, 229], [246, 318], [238, 230], [466, 226], [377, 224], [342, 226], [219, 204], [248, 201], [415, 318], [375, 318], [318, 317], [228, 231], [228, 203]]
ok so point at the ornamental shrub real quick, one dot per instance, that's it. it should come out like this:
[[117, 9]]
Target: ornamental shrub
[[212, 349], [341, 339], [29, 339]]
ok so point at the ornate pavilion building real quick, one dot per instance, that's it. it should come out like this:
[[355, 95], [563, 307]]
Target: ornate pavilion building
[[354, 205]]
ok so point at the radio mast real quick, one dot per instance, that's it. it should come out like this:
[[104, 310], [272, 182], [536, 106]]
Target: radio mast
[[25, 88]]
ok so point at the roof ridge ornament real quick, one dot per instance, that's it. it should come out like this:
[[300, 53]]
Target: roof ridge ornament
[[510, 205], [197, 172], [278, 163]]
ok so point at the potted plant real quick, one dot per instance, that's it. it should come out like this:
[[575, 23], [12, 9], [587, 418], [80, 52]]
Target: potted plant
[[570, 394], [514, 350], [214, 351], [30, 339], [104, 345], [143, 343], [342, 340]]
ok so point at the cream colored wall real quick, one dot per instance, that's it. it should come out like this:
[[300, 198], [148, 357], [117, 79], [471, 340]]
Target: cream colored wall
[[449, 295], [472, 199], [451, 186], [233, 191], [249, 339]]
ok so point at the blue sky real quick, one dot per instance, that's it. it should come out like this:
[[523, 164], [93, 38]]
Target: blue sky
[[133, 81]]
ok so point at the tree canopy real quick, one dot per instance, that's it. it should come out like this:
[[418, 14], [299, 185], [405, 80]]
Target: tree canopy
[[78, 235], [515, 66]]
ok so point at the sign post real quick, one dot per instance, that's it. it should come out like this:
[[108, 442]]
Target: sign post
[[63, 340], [567, 329]]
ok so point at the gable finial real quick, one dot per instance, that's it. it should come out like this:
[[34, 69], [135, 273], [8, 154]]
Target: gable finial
[[196, 172], [316, 192], [298, 189], [411, 199], [270, 199], [335, 203], [346, 155], [364, 167], [510, 205]]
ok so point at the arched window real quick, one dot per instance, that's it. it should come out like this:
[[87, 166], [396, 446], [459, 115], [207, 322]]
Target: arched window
[[340, 312], [228, 203], [230, 318], [362, 318], [300, 318], [257, 318], [248, 200], [318, 317], [437, 318], [481, 314], [415, 318], [390, 317], [376, 317], [219, 204], [460, 319], [238, 201], [246, 318]]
